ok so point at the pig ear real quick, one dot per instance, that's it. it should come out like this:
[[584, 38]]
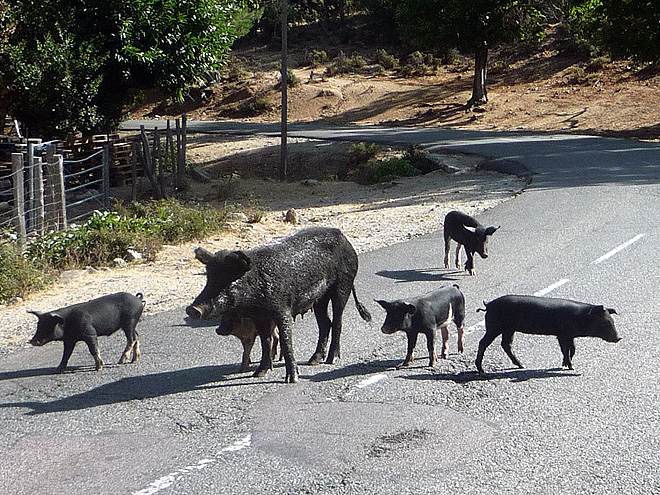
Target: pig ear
[[411, 309], [35, 313], [612, 311], [384, 304], [58, 319], [491, 230], [203, 255], [241, 260]]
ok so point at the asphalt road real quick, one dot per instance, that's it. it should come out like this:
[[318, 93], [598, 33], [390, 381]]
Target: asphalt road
[[185, 421]]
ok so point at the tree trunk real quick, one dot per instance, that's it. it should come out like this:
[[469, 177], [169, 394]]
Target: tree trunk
[[479, 92]]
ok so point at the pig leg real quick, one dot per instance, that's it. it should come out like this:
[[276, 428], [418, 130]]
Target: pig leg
[[412, 342], [447, 249], [483, 344], [276, 341], [69, 345], [131, 343], [248, 343], [284, 324], [93, 346], [444, 330], [266, 357], [469, 263], [458, 256], [430, 345], [567, 345], [324, 323], [461, 338], [507, 339], [338, 304]]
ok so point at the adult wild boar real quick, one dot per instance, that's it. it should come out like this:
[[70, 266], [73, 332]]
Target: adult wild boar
[[278, 281], [423, 314], [467, 232], [87, 320], [544, 316]]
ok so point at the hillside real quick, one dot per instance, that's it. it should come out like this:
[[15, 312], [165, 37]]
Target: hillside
[[558, 87]]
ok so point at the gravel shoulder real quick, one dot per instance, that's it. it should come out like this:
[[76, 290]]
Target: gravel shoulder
[[371, 217]]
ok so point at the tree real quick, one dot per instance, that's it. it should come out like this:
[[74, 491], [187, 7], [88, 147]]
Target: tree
[[629, 28], [472, 25], [71, 66]]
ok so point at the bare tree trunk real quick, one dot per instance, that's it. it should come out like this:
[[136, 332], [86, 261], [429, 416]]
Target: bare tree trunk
[[479, 92]]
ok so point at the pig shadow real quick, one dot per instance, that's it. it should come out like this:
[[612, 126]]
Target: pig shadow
[[514, 375], [358, 369], [419, 275], [139, 388]]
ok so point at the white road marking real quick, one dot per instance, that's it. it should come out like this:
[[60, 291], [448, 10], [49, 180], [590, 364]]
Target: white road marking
[[371, 380], [617, 249], [551, 287], [168, 480]]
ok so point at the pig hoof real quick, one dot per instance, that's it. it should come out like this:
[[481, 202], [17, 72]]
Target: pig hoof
[[259, 373], [59, 370]]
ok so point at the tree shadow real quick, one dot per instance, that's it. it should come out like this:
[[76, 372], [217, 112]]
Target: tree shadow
[[420, 275], [514, 375]]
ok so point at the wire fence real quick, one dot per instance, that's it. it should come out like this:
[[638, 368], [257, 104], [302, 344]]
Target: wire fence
[[43, 188]]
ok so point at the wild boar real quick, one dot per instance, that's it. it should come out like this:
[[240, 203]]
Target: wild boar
[[423, 314], [87, 320], [544, 316], [276, 282], [468, 232]]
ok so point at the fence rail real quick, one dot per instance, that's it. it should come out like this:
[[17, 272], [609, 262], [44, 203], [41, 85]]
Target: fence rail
[[48, 185]]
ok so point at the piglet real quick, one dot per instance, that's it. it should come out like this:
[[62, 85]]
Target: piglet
[[87, 320], [467, 232], [563, 318], [423, 314]]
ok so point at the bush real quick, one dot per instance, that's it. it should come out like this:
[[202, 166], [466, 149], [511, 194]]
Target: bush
[[315, 58], [385, 171], [386, 60], [363, 152], [18, 275], [256, 106], [345, 65]]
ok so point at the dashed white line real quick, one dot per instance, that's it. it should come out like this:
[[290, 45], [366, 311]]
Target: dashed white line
[[169, 479], [617, 249], [551, 287]]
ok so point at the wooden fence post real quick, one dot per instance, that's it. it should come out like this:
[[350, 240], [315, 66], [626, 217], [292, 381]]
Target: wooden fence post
[[38, 195], [56, 207], [106, 176], [18, 179], [134, 164]]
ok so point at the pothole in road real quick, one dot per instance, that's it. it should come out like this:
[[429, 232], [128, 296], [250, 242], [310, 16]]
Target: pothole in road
[[364, 437]]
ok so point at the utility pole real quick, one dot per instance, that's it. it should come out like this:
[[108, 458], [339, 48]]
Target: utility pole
[[284, 82]]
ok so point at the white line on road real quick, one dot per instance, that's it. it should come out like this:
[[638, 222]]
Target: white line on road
[[617, 249], [370, 381], [168, 480], [552, 287]]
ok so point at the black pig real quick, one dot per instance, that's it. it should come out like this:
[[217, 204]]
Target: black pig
[[245, 329], [276, 282], [423, 314], [544, 316], [86, 321], [468, 232]]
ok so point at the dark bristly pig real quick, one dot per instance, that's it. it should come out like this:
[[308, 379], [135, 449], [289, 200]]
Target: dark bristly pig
[[467, 232], [312, 268], [245, 329], [87, 320], [563, 318], [424, 314]]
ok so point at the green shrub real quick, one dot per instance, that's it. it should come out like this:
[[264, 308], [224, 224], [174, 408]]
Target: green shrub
[[385, 171], [18, 275], [256, 106], [291, 79], [363, 152], [345, 65], [386, 60], [315, 58]]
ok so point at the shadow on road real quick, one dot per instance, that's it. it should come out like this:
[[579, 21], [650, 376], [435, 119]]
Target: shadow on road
[[136, 387], [419, 275], [353, 370], [515, 375]]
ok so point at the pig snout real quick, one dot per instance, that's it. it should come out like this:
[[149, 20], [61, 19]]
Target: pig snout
[[195, 312], [388, 330], [38, 342]]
